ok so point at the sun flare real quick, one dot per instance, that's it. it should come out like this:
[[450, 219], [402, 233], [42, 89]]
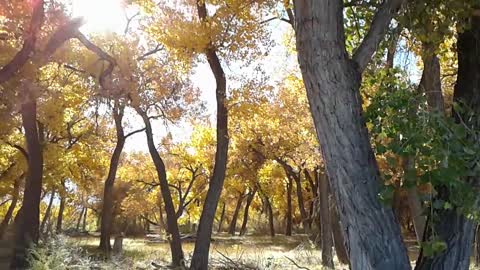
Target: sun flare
[[100, 15]]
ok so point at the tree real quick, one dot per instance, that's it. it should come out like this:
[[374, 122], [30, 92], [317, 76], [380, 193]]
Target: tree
[[332, 80]]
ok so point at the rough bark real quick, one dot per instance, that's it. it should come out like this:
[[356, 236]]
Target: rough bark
[[456, 230], [11, 207], [289, 212], [107, 209], [27, 224], [46, 216], [233, 222], [338, 239], [204, 233], [332, 81], [172, 223], [327, 235], [250, 197], [477, 246]]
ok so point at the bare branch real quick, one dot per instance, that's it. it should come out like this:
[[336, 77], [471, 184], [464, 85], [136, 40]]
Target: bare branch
[[134, 132]]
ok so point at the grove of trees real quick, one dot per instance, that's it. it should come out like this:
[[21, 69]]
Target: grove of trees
[[353, 122]]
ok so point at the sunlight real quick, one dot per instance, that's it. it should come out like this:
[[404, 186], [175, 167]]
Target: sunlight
[[100, 15]]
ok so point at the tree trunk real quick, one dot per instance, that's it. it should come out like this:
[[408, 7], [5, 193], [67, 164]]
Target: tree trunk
[[84, 224], [456, 230], [204, 233], [338, 239], [172, 225], [327, 236], [28, 222], [332, 80], [251, 196], [46, 217], [107, 209], [477, 246], [222, 217], [11, 207], [289, 213], [414, 203], [79, 220], [301, 205], [61, 209], [270, 217], [233, 223]]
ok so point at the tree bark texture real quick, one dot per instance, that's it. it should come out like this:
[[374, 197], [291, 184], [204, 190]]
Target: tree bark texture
[[332, 80]]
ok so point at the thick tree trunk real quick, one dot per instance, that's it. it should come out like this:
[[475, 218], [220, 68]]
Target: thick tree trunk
[[222, 217], [11, 207], [333, 81], [107, 209], [28, 221], [457, 231], [289, 213], [172, 223], [204, 233], [233, 223], [251, 196], [338, 239], [46, 217], [327, 235]]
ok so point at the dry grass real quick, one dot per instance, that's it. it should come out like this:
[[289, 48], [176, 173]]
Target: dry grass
[[250, 252]]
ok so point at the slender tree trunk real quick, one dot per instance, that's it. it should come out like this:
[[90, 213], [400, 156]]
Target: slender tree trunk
[[233, 223], [11, 207], [414, 203], [327, 235], [289, 213], [251, 196], [270, 217], [222, 217], [301, 206], [61, 208], [27, 231], [108, 207], [332, 80], [338, 239], [79, 220], [172, 225], [84, 224], [456, 230], [204, 232], [46, 217]]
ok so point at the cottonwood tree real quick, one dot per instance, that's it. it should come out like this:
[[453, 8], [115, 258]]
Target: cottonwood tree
[[332, 79]]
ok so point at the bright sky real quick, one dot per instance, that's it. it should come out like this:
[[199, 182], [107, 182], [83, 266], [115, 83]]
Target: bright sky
[[100, 15]]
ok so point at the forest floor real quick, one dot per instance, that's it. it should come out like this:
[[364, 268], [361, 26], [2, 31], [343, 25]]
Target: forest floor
[[227, 252]]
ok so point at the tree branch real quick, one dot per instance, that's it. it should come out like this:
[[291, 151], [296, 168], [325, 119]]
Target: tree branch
[[377, 32], [21, 58], [134, 132]]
